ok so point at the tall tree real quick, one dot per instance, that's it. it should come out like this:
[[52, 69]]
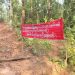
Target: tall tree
[[1, 9], [11, 11], [23, 12], [48, 8]]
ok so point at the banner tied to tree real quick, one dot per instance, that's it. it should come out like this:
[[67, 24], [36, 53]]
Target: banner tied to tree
[[50, 30]]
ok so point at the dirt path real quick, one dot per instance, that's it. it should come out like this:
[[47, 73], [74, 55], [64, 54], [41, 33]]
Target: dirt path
[[11, 49]]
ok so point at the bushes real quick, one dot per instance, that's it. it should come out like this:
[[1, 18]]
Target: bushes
[[39, 47]]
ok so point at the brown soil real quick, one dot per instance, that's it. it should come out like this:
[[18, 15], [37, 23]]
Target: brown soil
[[16, 60]]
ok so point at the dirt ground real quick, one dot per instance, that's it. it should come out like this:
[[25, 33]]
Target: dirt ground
[[16, 60]]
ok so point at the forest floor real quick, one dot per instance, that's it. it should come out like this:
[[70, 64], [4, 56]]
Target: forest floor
[[16, 60]]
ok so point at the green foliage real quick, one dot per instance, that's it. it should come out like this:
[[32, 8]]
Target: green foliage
[[39, 47]]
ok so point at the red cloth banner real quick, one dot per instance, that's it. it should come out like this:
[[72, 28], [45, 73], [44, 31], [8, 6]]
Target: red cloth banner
[[51, 30]]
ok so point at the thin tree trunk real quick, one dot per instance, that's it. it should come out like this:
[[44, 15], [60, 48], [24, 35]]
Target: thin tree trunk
[[31, 9], [10, 13], [37, 13], [37, 17], [66, 58], [31, 5], [48, 9], [23, 17], [23, 12]]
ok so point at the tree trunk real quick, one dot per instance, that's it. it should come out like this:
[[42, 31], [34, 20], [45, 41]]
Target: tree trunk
[[48, 7], [37, 13], [31, 6], [10, 13], [31, 9], [23, 12], [66, 58], [37, 17]]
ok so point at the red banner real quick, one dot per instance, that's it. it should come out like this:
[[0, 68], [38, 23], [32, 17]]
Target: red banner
[[51, 30]]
